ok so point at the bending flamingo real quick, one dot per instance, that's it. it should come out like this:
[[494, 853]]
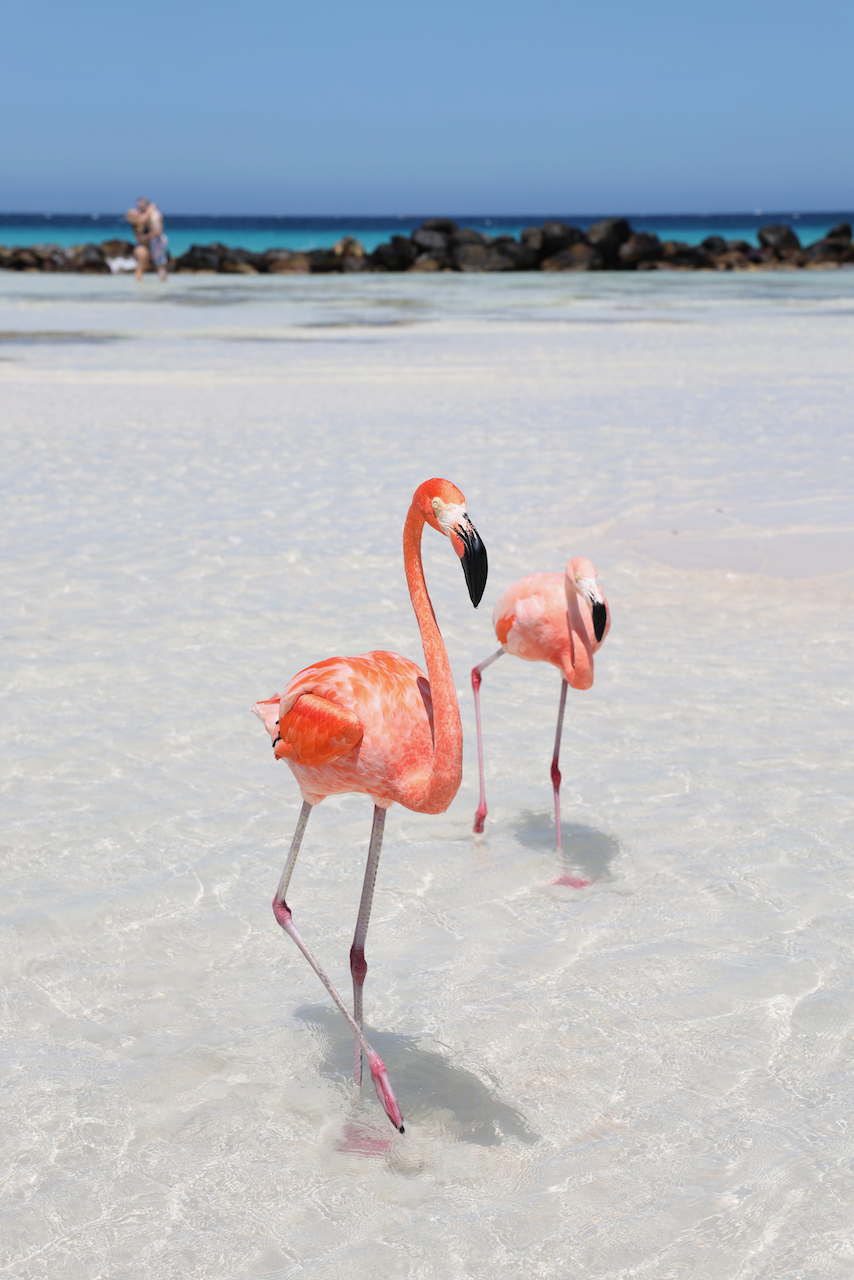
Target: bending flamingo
[[374, 724], [548, 617]]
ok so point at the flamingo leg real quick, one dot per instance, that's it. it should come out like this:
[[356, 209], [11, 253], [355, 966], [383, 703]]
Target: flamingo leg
[[475, 684], [555, 758], [358, 964], [282, 912]]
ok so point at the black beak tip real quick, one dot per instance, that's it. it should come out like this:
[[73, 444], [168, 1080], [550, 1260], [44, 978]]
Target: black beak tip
[[600, 619], [475, 565]]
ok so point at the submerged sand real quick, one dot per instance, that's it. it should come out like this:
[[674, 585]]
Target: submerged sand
[[205, 489]]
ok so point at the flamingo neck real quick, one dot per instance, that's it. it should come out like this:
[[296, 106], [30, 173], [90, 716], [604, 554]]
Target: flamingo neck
[[446, 770], [579, 669]]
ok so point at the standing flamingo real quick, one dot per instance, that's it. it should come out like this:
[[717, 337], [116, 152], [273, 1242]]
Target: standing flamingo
[[548, 618], [375, 724]]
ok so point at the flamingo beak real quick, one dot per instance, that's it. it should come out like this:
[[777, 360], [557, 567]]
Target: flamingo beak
[[472, 552], [589, 588]]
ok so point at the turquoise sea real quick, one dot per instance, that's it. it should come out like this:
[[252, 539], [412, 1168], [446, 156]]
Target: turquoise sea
[[260, 233]]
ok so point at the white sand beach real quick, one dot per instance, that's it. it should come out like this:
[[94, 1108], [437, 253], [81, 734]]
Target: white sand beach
[[204, 490]]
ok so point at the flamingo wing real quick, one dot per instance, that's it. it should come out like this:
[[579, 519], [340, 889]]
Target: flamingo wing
[[316, 731]]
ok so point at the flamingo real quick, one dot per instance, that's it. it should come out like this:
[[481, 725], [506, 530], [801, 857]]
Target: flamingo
[[375, 724], [548, 617]]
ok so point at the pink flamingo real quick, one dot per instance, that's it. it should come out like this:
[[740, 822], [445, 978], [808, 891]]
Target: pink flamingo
[[548, 617], [374, 724]]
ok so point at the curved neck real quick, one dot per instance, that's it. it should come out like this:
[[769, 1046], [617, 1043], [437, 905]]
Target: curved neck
[[579, 672], [446, 771]]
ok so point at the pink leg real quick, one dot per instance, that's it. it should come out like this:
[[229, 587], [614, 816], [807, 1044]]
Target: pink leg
[[358, 964], [282, 912], [555, 757], [475, 684]]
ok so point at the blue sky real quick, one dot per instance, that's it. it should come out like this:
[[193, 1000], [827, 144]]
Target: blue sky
[[332, 108]]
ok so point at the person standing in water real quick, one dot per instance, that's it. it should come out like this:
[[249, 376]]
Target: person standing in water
[[153, 246]]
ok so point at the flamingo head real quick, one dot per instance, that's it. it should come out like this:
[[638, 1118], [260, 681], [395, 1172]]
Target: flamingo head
[[444, 508], [581, 577]]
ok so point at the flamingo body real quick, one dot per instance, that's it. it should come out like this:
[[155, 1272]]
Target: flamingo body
[[360, 724]]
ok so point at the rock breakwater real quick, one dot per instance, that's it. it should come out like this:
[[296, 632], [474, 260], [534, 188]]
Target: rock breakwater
[[439, 244]]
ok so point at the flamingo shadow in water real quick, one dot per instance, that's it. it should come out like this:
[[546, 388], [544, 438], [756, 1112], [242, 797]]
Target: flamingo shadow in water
[[470, 1111], [586, 850]]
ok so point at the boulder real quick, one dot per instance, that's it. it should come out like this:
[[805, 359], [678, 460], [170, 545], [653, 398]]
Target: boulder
[[86, 258], [349, 247], [425, 262], [468, 235], [840, 235], [607, 236], [23, 260], [732, 260], [434, 242], [640, 247], [351, 263], [779, 237], [687, 257], [481, 257], [738, 246], [241, 262], [578, 257], [557, 236], [521, 256], [200, 257], [284, 262], [397, 256], [445, 225], [714, 245], [532, 238], [323, 261], [49, 257]]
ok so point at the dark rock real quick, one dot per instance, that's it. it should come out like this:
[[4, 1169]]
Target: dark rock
[[434, 242], [578, 257], [397, 256], [732, 260], [445, 225], [49, 257], [640, 247], [86, 258], [481, 257], [608, 235], [426, 262], [240, 262], [200, 257], [686, 256], [522, 256], [468, 235], [738, 246], [22, 260], [284, 262], [558, 236], [532, 237], [714, 245], [840, 235], [779, 237], [323, 261], [350, 263], [349, 247]]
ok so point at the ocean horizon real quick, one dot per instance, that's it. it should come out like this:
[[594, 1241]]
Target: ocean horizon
[[261, 232]]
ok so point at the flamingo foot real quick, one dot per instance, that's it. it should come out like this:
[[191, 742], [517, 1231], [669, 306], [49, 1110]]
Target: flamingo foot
[[385, 1093], [478, 821], [573, 882]]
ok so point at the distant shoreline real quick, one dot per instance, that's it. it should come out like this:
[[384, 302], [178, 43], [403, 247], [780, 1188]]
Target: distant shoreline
[[443, 245]]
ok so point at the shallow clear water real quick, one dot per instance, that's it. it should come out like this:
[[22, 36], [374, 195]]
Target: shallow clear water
[[204, 487]]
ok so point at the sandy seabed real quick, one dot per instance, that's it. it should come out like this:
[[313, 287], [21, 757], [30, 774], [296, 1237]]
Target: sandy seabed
[[204, 490]]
